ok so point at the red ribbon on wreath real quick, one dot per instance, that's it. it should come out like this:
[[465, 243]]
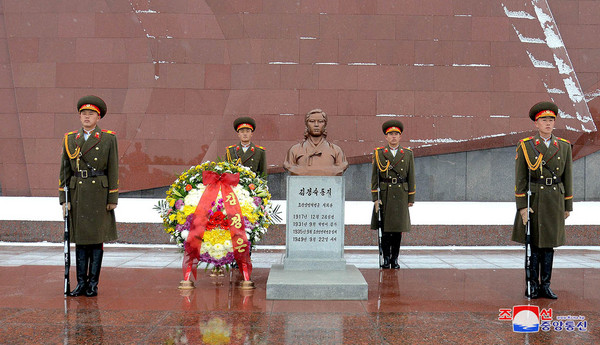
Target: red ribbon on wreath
[[241, 246]]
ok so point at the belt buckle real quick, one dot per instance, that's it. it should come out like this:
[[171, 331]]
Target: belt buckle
[[549, 181], [83, 173], [394, 180]]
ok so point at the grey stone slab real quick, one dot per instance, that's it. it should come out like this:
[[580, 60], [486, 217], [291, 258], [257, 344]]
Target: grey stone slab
[[315, 223], [358, 182], [592, 169], [277, 185], [315, 264], [490, 175], [579, 180], [348, 284], [441, 178], [481, 175]]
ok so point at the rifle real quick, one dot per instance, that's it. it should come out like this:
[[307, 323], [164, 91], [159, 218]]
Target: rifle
[[67, 242], [528, 241], [379, 230]]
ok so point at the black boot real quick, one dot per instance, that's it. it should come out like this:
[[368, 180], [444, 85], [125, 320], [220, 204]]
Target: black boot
[[533, 274], [95, 265], [81, 265], [547, 256], [385, 249], [394, 262], [395, 250], [386, 262]]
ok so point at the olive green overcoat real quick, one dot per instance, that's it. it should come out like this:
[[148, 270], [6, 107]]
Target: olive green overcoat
[[255, 157], [394, 177], [550, 198], [91, 223]]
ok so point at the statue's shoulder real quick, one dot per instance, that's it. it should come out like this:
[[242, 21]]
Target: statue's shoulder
[[337, 147]]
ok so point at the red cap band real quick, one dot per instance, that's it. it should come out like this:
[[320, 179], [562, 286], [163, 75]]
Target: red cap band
[[393, 129], [90, 107], [244, 125], [545, 113]]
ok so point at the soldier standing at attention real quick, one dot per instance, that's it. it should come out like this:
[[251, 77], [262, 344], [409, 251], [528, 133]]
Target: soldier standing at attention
[[393, 191], [548, 160], [89, 167], [246, 153]]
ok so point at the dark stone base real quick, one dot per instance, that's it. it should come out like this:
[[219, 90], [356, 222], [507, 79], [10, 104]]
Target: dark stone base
[[356, 235]]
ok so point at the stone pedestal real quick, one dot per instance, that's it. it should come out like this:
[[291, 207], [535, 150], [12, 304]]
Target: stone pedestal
[[314, 266]]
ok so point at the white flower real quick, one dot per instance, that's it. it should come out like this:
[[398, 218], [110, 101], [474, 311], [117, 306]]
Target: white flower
[[241, 193], [193, 197], [184, 234], [217, 253], [205, 248]]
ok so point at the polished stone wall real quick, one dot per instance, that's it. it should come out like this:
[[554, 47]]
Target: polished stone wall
[[461, 75], [482, 175]]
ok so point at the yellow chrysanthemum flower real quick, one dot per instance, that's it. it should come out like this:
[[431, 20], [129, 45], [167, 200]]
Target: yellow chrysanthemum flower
[[188, 209], [181, 217], [217, 236]]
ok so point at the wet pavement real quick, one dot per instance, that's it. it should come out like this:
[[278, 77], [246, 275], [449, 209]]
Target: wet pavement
[[447, 295]]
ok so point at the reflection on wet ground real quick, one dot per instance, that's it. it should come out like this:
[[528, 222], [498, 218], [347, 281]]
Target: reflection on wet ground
[[406, 306]]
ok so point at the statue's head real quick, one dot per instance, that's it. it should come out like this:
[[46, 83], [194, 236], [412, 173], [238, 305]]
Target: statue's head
[[316, 123]]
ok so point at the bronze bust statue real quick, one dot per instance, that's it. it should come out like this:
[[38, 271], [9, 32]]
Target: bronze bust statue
[[315, 156]]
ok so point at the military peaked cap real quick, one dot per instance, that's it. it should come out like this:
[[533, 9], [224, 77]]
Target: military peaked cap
[[92, 102], [244, 122], [392, 126], [543, 109]]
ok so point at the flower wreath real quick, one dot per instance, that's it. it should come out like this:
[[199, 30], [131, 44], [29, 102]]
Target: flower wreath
[[216, 211]]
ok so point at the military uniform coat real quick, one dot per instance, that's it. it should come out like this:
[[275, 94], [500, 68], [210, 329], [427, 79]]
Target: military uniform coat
[[396, 185], [548, 201], [254, 158], [91, 223]]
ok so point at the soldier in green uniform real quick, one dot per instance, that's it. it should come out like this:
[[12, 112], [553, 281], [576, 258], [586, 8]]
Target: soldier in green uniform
[[544, 160], [393, 191], [89, 167], [246, 153]]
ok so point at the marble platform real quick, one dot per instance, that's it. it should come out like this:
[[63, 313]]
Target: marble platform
[[347, 284], [439, 296]]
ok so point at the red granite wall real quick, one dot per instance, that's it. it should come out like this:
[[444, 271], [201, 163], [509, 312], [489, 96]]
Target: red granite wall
[[460, 74]]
